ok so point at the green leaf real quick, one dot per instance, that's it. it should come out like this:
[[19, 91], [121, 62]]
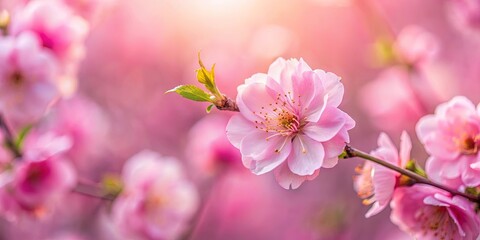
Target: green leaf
[[21, 136], [209, 108], [192, 92], [207, 78]]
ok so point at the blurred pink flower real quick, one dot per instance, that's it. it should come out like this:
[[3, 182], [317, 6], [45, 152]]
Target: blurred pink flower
[[59, 30], [391, 110], [208, 149], [157, 201], [55, 24], [429, 213], [89, 9], [27, 78], [40, 178], [289, 120], [452, 137], [376, 183], [465, 12], [415, 45], [84, 123]]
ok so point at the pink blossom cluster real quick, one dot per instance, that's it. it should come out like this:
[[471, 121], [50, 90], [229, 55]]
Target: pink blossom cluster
[[289, 122], [57, 134], [451, 138], [157, 201], [40, 51]]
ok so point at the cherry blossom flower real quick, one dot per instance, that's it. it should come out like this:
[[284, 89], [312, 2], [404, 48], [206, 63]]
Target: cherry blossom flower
[[40, 178], [209, 150], [415, 45], [429, 213], [27, 78], [391, 110], [376, 183], [157, 201], [452, 137], [289, 121], [84, 123], [60, 31], [465, 13]]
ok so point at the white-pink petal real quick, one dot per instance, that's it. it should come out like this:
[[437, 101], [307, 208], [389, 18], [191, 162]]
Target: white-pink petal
[[308, 155]]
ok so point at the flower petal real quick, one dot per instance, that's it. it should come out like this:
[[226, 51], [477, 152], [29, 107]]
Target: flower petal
[[260, 144], [405, 148], [307, 155], [289, 180], [331, 121], [268, 164], [333, 87], [237, 128]]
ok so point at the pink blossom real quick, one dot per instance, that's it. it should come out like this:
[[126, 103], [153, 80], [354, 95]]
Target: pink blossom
[[391, 110], [376, 183], [465, 13], [58, 28], [429, 213], [415, 45], [208, 149], [60, 31], [89, 9], [84, 123], [289, 121], [40, 178], [157, 201], [452, 137], [27, 78]]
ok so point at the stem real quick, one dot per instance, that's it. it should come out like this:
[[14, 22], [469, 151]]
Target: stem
[[352, 152], [9, 138], [227, 104], [93, 191]]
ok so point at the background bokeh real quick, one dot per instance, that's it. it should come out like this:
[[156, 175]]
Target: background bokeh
[[137, 50]]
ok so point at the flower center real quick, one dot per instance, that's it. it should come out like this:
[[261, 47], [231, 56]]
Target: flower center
[[16, 78], [288, 121], [364, 183], [437, 220], [280, 120], [469, 145]]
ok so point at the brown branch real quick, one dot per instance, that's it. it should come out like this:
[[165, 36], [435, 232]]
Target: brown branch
[[93, 191], [352, 152], [227, 104]]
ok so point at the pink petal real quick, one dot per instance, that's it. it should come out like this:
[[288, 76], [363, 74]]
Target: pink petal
[[331, 121], [471, 177], [275, 69], [251, 99], [425, 126], [268, 164], [304, 87], [405, 148], [237, 128], [333, 87], [386, 142], [334, 146], [316, 108], [330, 162], [260, 144], [307, 155], [289, 180]]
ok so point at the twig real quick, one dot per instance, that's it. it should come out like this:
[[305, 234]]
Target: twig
[[8, 136], [352, 152]]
